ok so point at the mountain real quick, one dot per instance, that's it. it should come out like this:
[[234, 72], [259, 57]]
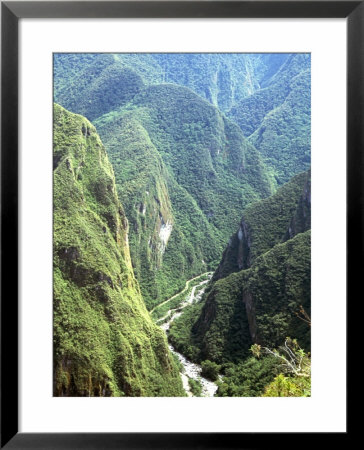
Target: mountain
[[260, 285], [105, 343], [169, 167], [223, 79], [164, 218], [268, 222], [277, 118], [258, 305], [93, 84], [267, 95], [184, 172]]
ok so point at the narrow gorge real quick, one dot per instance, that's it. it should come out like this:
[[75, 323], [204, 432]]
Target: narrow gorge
[[181, 224]]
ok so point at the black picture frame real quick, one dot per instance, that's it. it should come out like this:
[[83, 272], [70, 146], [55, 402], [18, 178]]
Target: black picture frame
[[11, 12]]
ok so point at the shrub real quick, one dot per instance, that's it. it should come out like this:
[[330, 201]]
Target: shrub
[[210, 370]]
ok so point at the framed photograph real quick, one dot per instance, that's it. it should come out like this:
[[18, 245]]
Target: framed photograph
[[159, 284]]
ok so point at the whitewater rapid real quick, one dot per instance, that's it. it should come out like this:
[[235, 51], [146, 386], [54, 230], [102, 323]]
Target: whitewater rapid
[[190, 369]]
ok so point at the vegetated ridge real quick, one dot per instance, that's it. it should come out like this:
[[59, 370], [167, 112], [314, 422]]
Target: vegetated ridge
[[184, 171], [258, 290], [195, 140], [105, 343]]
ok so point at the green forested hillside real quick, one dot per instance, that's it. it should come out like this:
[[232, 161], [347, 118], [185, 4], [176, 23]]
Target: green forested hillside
[[209, 155], [257, 305], [105, 343], [268, 222], [93, 84], [169, 235], [189, 171], [222, 79], [260, 302], [251, 111], [277, 118], [267, 95], [183, 170]]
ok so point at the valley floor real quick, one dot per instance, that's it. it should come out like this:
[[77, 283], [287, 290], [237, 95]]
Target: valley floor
[[188, 282], [190, 372]]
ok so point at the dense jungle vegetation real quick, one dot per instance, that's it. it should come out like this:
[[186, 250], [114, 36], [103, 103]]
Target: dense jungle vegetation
[[168, 167]]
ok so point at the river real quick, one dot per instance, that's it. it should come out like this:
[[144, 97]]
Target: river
[[190, 369]]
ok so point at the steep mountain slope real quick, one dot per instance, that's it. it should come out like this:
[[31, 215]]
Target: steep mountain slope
[[105, 343], [268, 222], [267, 95], [169, 235], [222, 79], [93, 84], [183, 172], [277, 118], [259, 303]]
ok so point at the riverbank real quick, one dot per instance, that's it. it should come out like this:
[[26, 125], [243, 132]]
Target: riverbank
[[160, 311], [189, 370]]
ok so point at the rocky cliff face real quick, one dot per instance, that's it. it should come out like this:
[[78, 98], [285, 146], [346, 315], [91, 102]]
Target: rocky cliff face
[[105, 343], [301, 220], [256, 305], [268, 222], [236, 256], [141, 178], [261, 283]]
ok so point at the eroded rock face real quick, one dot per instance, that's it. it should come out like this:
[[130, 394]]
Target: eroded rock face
[[250, 312], [244, 246], [301, 220], [263, 278], [161, 232], [269, 222], [164, 234], [237, 253]]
